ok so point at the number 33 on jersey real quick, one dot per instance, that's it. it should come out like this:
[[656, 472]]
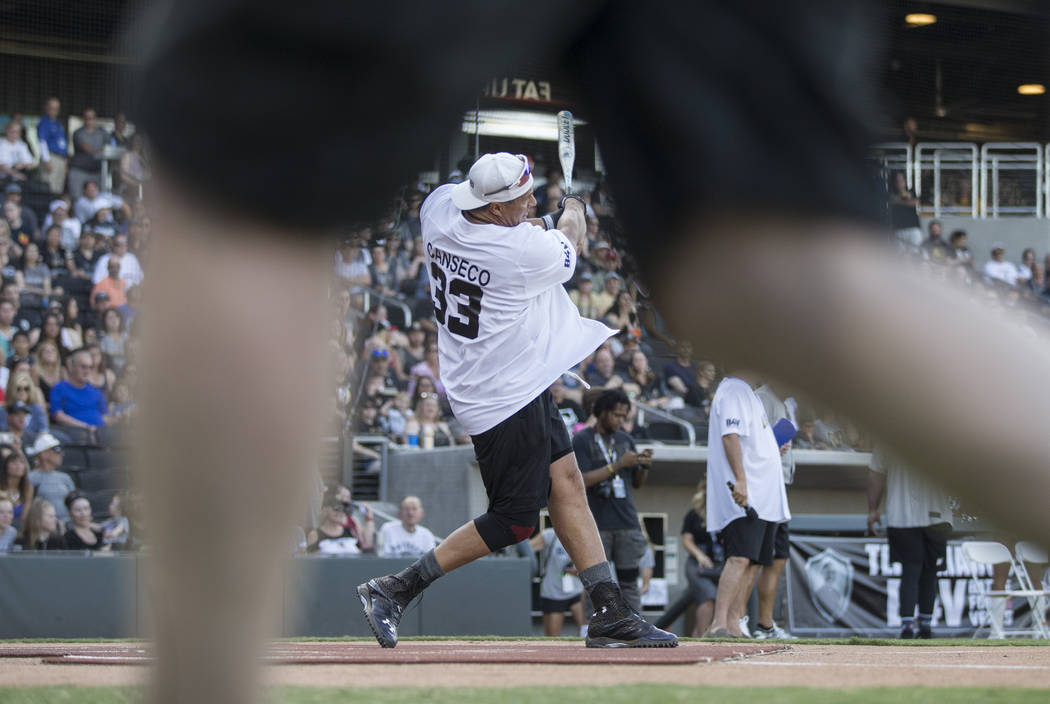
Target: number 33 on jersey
[[506, 326]]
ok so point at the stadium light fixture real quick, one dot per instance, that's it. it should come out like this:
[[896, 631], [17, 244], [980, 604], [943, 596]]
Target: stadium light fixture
[[919, 19], [1031, 89]]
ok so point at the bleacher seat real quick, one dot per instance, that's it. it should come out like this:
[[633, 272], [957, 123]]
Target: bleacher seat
[[99, 501], [74, 459], [101, 458], [96, 480]]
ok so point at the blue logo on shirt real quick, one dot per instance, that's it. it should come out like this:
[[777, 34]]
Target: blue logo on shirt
[[730, 422]]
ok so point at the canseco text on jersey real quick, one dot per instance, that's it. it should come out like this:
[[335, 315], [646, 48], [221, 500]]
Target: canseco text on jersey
[[458, 265]]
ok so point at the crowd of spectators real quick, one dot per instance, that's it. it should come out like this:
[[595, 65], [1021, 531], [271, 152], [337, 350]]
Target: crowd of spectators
[[74, 248]]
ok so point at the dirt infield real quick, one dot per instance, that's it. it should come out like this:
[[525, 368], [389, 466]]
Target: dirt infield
[[836, 666], [426, 652]]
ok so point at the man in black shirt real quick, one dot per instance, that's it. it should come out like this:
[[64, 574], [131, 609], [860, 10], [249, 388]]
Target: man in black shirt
[[612, 469]]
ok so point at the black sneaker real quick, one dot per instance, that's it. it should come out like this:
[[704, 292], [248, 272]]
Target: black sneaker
[[626, 629], [907, 633], [382, 611], [925, 632]]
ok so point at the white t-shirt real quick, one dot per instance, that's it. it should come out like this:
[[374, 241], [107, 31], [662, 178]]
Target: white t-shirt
[[775, 410], [1003, 271], [736, 409], [395, 541], [16, 152], [507, 327], [911, 501], [130, 269], [85, 208]]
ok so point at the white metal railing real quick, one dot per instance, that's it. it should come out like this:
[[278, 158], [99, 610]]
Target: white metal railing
[[988, 180]]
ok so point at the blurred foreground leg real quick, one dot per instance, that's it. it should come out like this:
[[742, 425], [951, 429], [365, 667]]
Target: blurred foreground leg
[[953, 387], [234, 331]]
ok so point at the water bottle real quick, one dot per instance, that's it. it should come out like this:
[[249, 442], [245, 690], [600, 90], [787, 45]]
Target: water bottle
[[428, 437], [413, 441]]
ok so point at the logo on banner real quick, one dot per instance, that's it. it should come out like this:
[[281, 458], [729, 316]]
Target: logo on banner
[[830, 577]]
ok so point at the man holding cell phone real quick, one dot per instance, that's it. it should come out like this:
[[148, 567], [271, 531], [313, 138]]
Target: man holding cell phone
[[613, 470]]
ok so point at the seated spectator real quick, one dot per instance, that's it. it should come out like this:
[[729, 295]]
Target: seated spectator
[[998, 268], [1026, 269], [134, 169], [398, 414], [70, 228], [21, 389], [41, 529], [13, 193], [936, 248], [85, 256], [8, 532], [806, 438], [649, 386], [14, 483], [58, 260], [560, 588], [369, 420], [122, 406], [415, 280], [48, 368], [428, 423], [611, 286], [706, 382], [130, 310], [75, 402], [380, 366], [17, 422], [35, 276], [48, 482], [332, 536], [100, 376], [603, 375], [568, 408], [93, 200], [680, 375], [19, 229], [584, 297], [72, 332], [116, 529], [113, 286], [406, 538], [414, 350], [104, 225], [80, 535], [111, 342], [16, 161], [365, 531], [382, 273], [622, 314], [352, 262], [50, 330], [428, 368], [130, 269], [19, 351]]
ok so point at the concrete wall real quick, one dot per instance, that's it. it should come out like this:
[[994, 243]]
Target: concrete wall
[[76, 596]]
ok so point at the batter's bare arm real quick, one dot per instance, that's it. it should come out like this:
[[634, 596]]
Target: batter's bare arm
[[573, 222]]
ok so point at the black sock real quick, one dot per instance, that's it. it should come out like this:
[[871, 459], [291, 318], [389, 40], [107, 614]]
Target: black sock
[[417, 577]]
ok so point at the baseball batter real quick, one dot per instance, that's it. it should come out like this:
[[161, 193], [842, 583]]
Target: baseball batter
[[507, 329]]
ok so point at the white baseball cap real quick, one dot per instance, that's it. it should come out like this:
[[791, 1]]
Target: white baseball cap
[[45, 441], [494, 178]]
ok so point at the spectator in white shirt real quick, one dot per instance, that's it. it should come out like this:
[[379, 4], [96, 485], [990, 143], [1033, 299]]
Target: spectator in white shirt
[[998, 268], [15, 158], [407, 538], [94, 200], [130, 268]]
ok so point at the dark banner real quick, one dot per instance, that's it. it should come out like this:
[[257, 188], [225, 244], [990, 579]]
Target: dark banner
[[848, 586]]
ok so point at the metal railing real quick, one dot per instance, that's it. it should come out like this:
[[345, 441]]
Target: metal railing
[[988, 180]]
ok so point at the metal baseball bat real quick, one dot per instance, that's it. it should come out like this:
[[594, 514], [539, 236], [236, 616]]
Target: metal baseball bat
[[566, 146]]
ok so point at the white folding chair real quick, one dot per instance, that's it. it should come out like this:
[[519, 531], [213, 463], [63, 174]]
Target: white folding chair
[[1028, 553], [991, 553]]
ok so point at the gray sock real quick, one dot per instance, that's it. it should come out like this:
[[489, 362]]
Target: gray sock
[[596, 574], [428, 567]]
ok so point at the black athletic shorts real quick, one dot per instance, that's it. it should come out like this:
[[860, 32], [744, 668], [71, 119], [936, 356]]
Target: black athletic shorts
[[782, 542], [926, 546], [751, 538], [557, 606], [515, 456], [700, 107]]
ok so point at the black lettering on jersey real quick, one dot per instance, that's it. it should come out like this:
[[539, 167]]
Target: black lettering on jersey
[[465, 320]]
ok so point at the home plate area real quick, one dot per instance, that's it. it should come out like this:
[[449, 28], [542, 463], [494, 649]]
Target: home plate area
[[409, 652]]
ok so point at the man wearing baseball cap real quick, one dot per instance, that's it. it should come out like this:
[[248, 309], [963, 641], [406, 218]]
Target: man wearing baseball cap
[[507, 330]]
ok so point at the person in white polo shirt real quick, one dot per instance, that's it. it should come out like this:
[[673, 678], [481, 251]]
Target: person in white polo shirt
[[742, 451], [507, 330], [918, 524], [406, 538]]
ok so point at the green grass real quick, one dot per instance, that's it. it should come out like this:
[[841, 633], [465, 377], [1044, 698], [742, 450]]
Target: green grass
[[630, 694]]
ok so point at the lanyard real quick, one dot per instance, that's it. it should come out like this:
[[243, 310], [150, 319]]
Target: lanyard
[[610, 457]]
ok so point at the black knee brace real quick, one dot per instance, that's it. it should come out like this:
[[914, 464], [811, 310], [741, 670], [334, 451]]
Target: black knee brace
[[499, 530], [627, 576]]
